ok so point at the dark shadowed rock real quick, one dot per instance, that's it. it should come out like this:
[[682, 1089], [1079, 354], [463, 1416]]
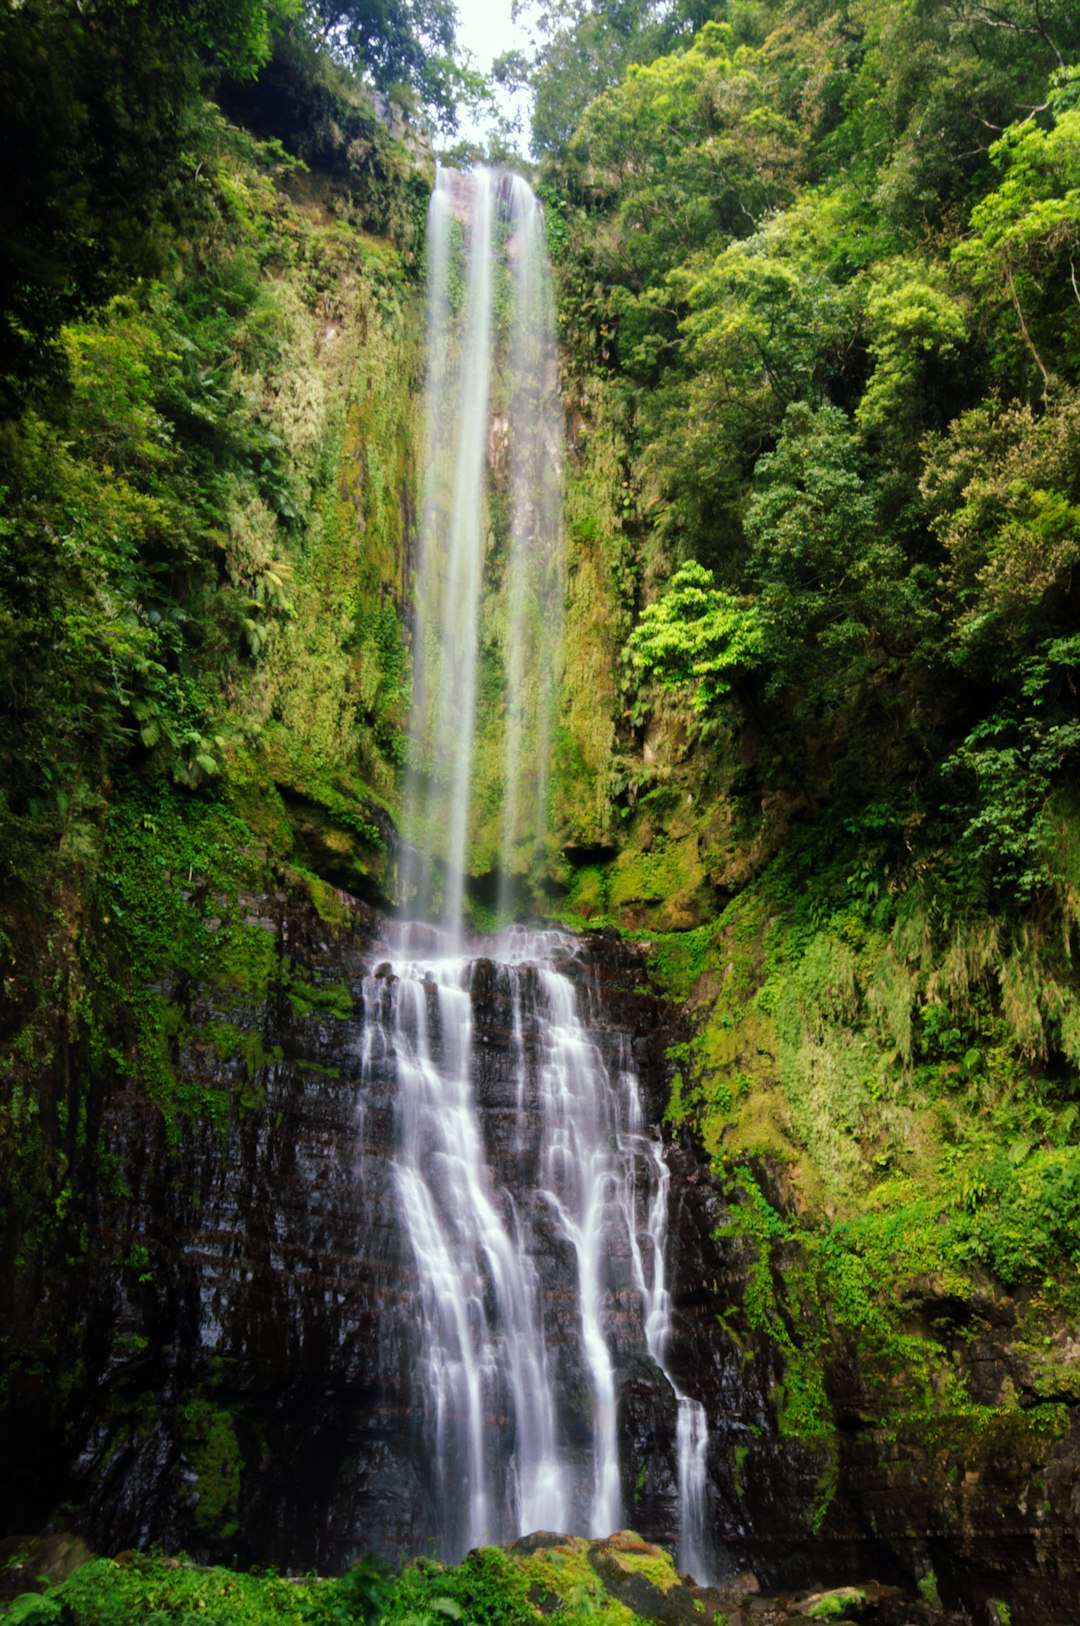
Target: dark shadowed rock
[[229, 1368]]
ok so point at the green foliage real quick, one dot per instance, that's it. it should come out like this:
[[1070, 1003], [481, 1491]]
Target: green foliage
[[767, 325], [1025, 235], [110, 157], [487, 1588], [136, 1589], [584, 49], [210, 1443], [683, 150], [821, 310], [398, 43], [1003, 493], [159, 525], [362, 1594], [31, 1609], [893, 1077], [912, 321], [490, 1587], [833, 592], [696, 637], [838, 1605]]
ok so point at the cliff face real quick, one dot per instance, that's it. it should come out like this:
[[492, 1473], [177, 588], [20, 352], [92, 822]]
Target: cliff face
[[204, 1293], [974, 1497], [238, 1338], [228, 1369]]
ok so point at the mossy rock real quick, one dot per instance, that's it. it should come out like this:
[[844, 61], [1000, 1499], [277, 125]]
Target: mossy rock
[[663, 889], [624, 1575], [840, 1604]]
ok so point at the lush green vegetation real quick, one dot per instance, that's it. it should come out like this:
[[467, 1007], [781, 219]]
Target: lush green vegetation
[[820, 314], [209, 367], [489, 1588], [817, 267]]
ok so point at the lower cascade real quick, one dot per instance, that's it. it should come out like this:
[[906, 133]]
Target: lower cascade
[[537, 1229]]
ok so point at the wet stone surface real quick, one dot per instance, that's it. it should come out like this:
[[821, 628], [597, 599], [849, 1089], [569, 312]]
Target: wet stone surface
[[236, 1361]]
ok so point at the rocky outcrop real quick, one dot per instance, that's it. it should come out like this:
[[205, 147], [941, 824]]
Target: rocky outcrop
[[980, 1502], [236, 1343], [229, 1362], [640, 1577]]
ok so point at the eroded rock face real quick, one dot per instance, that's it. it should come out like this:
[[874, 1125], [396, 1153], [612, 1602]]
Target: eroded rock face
[[244, 1325], [235, 1356]]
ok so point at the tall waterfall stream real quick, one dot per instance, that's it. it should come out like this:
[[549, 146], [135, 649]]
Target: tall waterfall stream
[[517, 1371]]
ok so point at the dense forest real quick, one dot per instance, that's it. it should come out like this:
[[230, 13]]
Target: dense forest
[[817, 270]]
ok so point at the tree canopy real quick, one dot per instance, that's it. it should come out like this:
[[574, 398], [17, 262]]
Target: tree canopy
[[826, 260]]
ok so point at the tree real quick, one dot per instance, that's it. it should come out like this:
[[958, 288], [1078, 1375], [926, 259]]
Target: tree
[[696, 637], [103, 112], [1022, 256], [1003, 488], [396, 43], [914, 323], [834, 593]]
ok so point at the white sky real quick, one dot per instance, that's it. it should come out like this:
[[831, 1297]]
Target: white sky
[[486, 30]]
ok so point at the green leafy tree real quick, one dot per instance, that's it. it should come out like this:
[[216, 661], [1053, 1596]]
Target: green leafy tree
[[836, 596], [696, 637], [928, 89], [767, 326], [102, 105], [1003, 491], [1003, 488], [397, 43], [915, 326], [583, 48], [686, 151], [1025, 243]]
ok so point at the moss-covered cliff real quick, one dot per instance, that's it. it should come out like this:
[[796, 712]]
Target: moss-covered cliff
[[819, 330], [817, 343], [206, 528]]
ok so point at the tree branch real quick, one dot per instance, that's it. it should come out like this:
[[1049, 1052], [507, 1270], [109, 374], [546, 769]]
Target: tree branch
[[1028, 340]]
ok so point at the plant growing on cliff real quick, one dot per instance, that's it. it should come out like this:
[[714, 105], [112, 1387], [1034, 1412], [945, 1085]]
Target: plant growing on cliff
[[696, 637]]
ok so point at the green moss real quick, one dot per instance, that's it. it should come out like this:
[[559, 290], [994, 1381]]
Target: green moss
[[306, 999], [836, 1605], [564, 1575], [596, 623], [657, 1567], [587, 897], [899, 1131], [679, 959], [209, 1436], [740, 1456], [659, 887], [330, 906]]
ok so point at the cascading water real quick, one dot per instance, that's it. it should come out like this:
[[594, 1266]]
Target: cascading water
[[692, 1429], [535, 1223], [485, 607], [536, 584], [452, 539]]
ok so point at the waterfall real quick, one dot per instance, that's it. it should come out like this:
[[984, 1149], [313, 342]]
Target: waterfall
[[531, 1197], [482, 1347], [489, 597], [692, 1429], [536, 584], [452, 539], [518, 1395]]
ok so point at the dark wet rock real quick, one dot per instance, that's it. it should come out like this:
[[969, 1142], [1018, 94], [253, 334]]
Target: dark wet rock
[[227, 1366], [33, 1563]]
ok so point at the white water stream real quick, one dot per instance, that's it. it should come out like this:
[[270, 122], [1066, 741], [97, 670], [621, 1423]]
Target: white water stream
[[538, 1227]]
